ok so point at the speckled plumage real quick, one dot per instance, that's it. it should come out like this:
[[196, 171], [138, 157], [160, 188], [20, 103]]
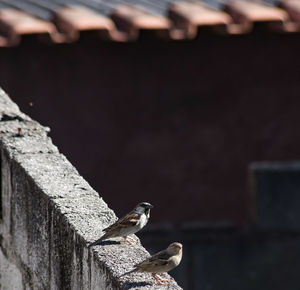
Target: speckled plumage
[[129, 224], [161, 262]]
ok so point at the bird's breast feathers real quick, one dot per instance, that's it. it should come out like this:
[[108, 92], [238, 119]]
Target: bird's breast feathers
[[143, 220], [128, 225], [175, 260]]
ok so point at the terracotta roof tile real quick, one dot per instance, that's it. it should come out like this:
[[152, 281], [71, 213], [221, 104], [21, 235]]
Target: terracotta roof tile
[[292, 7], [189, 16], [15, 23], [245, 14], [122, 20], [133, 19], [72, 20]]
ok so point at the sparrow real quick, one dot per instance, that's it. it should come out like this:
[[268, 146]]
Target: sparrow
[[128, 225], [162, 262]]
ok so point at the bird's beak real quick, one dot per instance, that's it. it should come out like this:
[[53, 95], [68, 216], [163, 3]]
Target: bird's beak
[[150, 206]]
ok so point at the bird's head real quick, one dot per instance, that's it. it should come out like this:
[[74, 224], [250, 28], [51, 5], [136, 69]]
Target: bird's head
[[143, 207], [174, 248]]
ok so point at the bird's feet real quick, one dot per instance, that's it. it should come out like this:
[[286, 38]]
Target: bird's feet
[[160, 280], [130, 240]]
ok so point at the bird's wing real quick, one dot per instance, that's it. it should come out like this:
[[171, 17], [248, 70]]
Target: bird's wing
[[162, 255], [161, 258], [130, 220], [152, 264]]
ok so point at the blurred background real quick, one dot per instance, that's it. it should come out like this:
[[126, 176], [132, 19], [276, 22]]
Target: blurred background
[[192, 106]]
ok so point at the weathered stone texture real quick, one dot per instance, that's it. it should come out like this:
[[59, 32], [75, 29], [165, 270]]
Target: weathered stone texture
[[49, 214]]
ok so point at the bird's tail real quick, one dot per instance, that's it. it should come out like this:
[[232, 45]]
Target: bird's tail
[[126, 273], [97, 242]]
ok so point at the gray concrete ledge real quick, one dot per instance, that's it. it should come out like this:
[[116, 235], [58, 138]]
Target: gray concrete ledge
[[49, 214]]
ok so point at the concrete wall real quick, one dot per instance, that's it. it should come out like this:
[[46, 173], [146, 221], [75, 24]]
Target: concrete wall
[[48, 215]]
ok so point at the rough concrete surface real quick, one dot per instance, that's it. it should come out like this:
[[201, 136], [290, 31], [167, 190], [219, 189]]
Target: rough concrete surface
[[49, 214], [10, 275]]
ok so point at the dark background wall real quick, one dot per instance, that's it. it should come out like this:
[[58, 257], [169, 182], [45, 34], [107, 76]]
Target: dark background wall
[[173, 123]]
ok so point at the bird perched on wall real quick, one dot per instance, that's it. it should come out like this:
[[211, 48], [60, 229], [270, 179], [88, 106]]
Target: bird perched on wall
[[161, 262], [128, 225]]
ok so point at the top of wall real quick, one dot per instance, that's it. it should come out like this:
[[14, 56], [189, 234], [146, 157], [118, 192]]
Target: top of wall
[[79, 212]]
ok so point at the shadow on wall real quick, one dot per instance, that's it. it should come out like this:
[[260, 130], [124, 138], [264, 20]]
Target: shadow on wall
[[264, 255], [177, 124], [49, 216], [156, 126]]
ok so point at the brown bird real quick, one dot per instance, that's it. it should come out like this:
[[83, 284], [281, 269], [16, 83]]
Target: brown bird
[[128, 225], [161, 262]]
